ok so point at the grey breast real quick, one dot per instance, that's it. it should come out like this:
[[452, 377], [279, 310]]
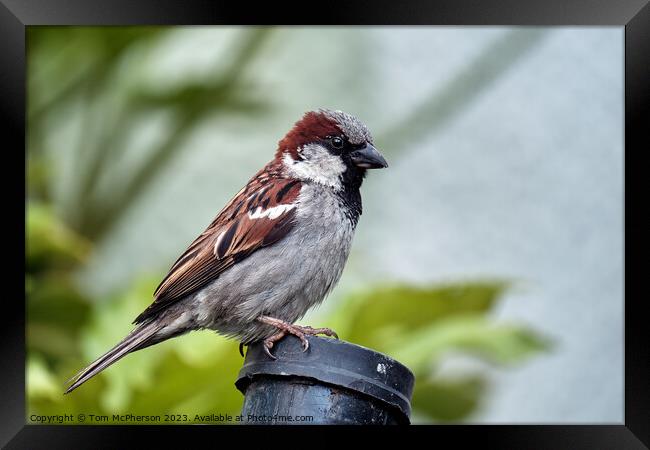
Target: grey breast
[[283, 280]]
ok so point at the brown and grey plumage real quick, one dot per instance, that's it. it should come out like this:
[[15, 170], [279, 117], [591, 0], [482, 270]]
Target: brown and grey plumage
[[274, 251]]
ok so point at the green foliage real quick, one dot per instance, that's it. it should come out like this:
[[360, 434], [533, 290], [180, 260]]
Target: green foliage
[[56, 309], [419, 326], [68, 327], [448, 400], [51, 244], [98, 63], [195, 374], [413, 308], [191, 375]]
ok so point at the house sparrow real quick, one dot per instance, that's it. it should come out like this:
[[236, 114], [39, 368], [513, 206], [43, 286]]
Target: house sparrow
[[273, 252]]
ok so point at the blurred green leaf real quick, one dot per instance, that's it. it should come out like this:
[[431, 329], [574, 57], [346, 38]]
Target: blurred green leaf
[[51, 341], [56, 309], [190, 103], [211, 382], [390, 311], [108, 325], [498, 344], [40, 382], [63, 62], [55, 298], [184, 369], [195, 374], [38, 177], [51, 243]]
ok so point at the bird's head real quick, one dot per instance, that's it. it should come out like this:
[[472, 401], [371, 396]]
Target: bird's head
[[332, 148]]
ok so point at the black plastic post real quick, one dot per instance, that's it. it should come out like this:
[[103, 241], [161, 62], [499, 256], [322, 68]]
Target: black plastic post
[[333, 382]]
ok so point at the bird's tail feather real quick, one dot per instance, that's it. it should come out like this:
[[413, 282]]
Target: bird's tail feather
[[137, 339]]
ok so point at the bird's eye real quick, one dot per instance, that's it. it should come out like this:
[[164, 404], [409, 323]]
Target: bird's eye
[[337, 142]]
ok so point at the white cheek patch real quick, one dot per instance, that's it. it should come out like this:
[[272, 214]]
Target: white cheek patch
[[318, 165], [271, 213]]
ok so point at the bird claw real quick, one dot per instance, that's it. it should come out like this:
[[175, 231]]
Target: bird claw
[[241, 349], [297, 330], [314, 331], [267, 348], [305, 342]]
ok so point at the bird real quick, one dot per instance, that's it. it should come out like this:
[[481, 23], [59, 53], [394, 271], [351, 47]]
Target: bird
[[276, 250]]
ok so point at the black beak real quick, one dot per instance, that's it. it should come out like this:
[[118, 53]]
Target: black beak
[[368, 158]]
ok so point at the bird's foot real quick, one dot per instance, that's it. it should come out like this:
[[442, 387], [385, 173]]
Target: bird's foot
[[287, 328]]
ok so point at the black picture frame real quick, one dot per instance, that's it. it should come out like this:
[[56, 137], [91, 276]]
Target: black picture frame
[[633, 15]]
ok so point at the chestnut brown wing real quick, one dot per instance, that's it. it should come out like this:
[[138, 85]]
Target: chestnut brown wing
[[259, 215]]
